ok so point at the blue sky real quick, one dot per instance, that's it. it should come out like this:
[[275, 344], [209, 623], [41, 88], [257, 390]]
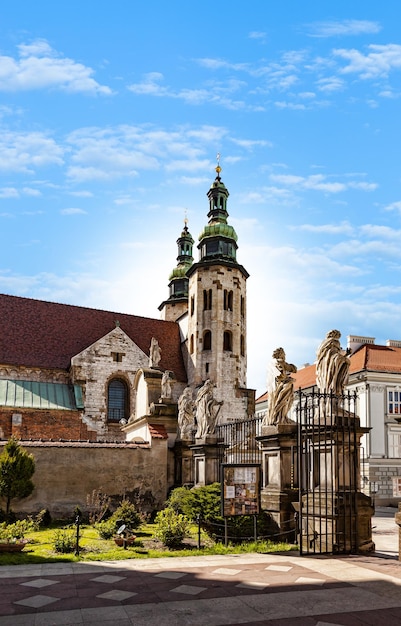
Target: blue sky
[[112, 114]]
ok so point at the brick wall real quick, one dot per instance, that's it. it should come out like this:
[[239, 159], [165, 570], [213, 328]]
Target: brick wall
[[43, 424]]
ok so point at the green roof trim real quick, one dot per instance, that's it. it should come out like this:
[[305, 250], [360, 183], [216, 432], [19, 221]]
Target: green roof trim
[[219, 230], [28, 394]]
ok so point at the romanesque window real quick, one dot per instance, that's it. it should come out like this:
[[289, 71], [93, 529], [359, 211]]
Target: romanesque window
[[207, 299], [192, 305], [228, 300], [242, 306], [191, 344], [242, 345], [227, 341], [207, 340], [117, 400]]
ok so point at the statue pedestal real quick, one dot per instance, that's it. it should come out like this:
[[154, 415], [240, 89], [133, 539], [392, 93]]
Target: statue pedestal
[[336, 515], [184, 466], [279, 488], [207, 455]]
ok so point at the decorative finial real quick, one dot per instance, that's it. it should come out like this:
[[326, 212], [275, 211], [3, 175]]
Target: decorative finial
[[186, 218], [117, 322], [218, 168]]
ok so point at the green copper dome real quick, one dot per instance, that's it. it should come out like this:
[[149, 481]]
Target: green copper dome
[[220, 229]]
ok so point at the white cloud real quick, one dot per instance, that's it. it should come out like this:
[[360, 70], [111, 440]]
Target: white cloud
[[343, 27], [319, 182], [256, 34], [394, 206], [378, 63], [9, 192], [25, 151], [72, 211], [330, 84], [41, 67], [344, 228]]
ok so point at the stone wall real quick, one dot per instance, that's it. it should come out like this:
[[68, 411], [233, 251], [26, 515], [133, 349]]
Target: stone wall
[[43, 424], [66, 472]]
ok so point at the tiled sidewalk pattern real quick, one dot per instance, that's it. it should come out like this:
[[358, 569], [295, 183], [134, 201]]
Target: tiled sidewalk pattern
[[242, 589]]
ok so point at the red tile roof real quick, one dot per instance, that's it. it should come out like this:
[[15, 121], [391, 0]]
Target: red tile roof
[[158, 431], [35, 333], [369, 357]]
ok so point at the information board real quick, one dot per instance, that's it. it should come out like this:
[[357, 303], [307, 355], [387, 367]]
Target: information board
[[240, 489]]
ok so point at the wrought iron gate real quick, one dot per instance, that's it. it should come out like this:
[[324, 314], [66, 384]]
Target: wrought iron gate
[[328, 473]]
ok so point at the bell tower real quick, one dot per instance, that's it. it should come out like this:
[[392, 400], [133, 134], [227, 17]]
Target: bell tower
[[217, 347], [177, 303]]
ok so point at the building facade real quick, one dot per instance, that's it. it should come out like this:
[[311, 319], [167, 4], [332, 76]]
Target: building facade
[[375, 377]]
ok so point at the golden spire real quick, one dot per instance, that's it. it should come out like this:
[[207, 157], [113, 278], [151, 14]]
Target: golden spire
[[218, 168]]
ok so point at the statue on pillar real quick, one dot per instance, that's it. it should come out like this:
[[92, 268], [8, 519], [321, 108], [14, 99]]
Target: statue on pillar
[[166, 385], [186, 418], [332, 365], [332, 368], [155, 354], [207, 410], [280, 387]]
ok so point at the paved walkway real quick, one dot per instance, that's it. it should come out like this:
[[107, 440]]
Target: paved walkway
[[276, 590]]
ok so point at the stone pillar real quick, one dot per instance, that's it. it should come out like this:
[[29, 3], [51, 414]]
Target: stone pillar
[[280, 488], [184, 466], [336, 515], [206, 457]]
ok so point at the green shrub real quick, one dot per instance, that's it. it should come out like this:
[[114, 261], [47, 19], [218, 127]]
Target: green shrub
[[64, 540], [106, 529], [127, 514], [171, 527], [205, 502], [16, 531], [43, 518]]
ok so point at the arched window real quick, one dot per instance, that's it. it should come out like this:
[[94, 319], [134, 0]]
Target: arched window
[[242, 306], [242, 345], [191, 344], [207, 299], [227, 341], [117, 400], [228, 300], [192, 305], [207, 340]]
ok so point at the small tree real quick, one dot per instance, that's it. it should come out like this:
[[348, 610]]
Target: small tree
[[16, 470]]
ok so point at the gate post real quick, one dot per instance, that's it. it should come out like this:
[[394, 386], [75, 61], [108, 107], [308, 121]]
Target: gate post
[[206, 454], [279, 487]]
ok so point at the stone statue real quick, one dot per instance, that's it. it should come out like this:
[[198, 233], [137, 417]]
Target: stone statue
[[166, 384], [280, 387], [155, 354], [207, 410], [186, 419], [332, 365]]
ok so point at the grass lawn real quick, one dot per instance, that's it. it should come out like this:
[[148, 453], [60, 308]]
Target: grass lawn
[[40, 547]]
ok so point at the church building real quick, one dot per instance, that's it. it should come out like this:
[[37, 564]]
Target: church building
[[87, 380]]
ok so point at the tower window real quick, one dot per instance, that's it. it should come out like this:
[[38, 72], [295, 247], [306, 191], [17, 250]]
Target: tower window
[[228, 300], [242, 306], [227, 341], [192, 305], [117, 400], [207, 340], [207, 299], [191, 345], [242, 345]]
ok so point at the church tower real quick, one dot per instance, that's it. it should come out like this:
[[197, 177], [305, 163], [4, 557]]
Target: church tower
[[177, 303], [217, 347]]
